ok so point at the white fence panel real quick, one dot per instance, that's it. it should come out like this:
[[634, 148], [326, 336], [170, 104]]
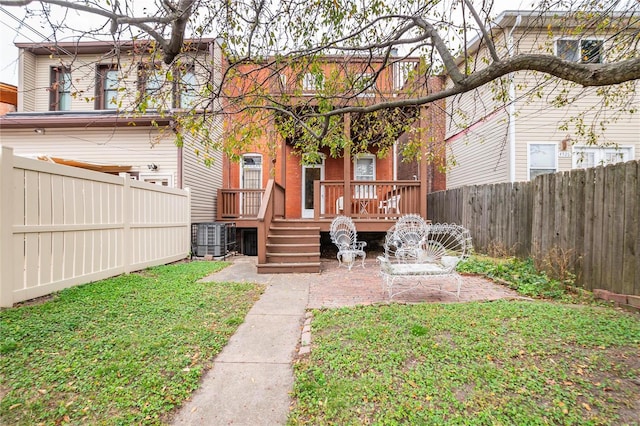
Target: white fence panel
[[62, 226]]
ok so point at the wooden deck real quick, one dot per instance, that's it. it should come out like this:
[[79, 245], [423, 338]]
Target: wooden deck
[[373, 205]]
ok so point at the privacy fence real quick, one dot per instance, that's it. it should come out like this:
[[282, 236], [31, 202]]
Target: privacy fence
[[591, 216], [63, 226]]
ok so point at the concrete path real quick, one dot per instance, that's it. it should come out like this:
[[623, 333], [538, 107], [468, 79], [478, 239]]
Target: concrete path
[[250, 381], [252, 377]]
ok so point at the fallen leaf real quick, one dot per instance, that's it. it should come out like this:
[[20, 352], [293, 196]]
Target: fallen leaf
[[586, 406], [14, 406]]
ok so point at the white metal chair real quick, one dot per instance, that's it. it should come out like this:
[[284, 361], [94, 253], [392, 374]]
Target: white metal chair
[[344, 236], [417, 256]]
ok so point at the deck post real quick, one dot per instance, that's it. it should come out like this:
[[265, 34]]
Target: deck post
[[423, 163], [347, 164]]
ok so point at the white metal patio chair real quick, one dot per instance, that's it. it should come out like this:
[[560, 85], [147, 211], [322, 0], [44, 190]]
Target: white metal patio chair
[[434, 257], [344, 236]]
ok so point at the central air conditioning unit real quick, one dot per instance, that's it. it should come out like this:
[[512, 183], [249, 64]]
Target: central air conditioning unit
[[209, 239]]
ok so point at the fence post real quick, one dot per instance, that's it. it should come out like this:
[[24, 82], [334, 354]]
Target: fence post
[[127, 213], [6, 227], [188, 220]]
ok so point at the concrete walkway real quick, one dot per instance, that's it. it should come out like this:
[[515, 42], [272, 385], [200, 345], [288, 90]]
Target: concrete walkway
[[250, 381], [252, 377]]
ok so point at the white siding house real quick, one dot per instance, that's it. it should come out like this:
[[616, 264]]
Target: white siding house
[[512, 130], [81, 102]]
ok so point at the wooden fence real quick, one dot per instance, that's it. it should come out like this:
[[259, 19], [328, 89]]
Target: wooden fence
[[591, 216], [63, 226]]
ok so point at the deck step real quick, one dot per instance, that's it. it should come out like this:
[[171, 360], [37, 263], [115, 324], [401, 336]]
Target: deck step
[[288, 268], [293, 239], [294, 230], [306, 248], [293, 257]]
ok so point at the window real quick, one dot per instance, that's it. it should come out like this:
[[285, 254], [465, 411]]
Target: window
[[365, 85], [592, 156], [107, 87], [252, 171], [151, 79], [161, 180], [364, 169], [586, 51], [312, 82], [60, 89], [186, 90], [542, 159]]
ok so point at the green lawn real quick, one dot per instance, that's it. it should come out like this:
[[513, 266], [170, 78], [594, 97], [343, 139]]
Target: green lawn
[[126, 350], [498, 363]]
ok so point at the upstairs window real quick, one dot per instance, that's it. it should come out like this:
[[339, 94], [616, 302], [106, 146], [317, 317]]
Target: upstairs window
[[312, 82], [185, 92], [586, 51], [60, 89], [107, 87], [151, 79]]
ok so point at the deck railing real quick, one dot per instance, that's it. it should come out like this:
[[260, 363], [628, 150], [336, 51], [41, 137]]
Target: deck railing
[[239, 203], [367, 199]]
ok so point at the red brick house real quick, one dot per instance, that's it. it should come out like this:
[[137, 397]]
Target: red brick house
[[280, 203]]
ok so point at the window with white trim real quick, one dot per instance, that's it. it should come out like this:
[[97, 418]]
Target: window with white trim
[[543, 158], [157, 179], [364, 169], [312, 82], [586, 50], [252, 171], [592, 156]]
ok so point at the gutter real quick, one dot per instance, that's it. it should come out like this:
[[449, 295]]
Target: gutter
[[512, 108]]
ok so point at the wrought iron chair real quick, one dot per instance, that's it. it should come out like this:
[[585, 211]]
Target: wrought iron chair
[[344, 236], [417, 256]]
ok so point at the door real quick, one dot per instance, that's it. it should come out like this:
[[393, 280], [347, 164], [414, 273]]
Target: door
[[311, 173], [251, 178]]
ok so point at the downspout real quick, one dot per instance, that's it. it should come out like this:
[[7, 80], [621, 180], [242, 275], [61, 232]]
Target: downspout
[[394, 162], [512, 108]]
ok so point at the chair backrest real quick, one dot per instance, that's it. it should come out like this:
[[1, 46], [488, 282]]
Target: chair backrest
[[343, 232], [412, 239]]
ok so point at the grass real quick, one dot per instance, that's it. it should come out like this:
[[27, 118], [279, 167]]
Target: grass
[[125, 350], [499, 363]]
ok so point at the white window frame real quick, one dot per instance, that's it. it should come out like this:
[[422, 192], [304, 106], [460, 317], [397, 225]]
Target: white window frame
[[312, 82], [600, 153], [364, 191], [578, 54], [244, 167], [555, 157], [155, 177]]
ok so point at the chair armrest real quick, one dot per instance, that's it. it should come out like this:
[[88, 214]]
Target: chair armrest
[[360, 245]]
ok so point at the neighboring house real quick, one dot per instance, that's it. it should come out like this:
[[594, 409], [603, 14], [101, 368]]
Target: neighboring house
[[79, 103], [311, 186], [8, 98], [514, 130]]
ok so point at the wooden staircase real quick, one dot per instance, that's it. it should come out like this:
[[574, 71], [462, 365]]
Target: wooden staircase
[[291, 247]]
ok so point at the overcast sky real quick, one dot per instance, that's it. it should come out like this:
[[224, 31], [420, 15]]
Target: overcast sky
[[12, 30]]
